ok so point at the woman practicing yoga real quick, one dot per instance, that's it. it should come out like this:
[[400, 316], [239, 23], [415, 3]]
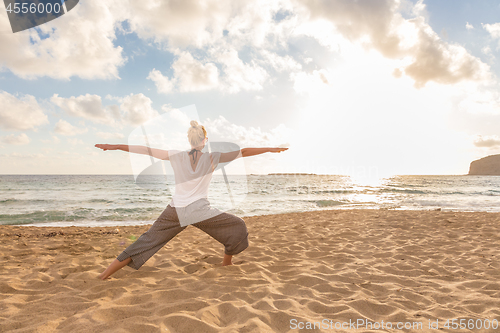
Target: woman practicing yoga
[[193, 172]]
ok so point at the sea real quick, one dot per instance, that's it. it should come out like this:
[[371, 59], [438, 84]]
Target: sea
[[112, 200]]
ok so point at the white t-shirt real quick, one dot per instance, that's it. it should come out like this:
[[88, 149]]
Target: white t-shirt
[[191, 185]]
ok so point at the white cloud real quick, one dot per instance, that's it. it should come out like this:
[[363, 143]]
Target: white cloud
[[84, 106], [420, 9], [79, 43], [487, 141], [379, 25], [493, 29], [469, 26], [487, 50], [221, 130], [279, 63], [197, 24], [65, 128], [137, 109], [224, 130], [239, 75], [133, 110], [189, 75], [21, 139], [193, 75], [163, 84], [20, 114], [182, 23]]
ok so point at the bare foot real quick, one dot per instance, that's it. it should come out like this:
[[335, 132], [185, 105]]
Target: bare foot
[[227, 260]]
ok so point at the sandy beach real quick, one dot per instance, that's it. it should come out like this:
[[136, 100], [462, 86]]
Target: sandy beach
[[331, 267]]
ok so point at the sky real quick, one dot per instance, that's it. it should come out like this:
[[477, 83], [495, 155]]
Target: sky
[[365, 88]]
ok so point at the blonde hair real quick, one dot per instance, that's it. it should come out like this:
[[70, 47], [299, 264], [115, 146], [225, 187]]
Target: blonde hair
[[196, 133]]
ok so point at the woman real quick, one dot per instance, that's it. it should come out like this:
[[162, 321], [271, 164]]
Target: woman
[[193, 172]]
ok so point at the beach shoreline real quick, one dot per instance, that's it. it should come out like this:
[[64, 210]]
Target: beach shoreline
[[332, 265]]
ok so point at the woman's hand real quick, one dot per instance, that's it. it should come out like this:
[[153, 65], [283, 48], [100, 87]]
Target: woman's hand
[[106, 146], [277, 150]]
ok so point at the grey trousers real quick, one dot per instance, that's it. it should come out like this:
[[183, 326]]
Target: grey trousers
[[226, 228]]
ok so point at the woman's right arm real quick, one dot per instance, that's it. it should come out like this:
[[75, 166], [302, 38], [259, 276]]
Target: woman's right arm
[[246, 152], [158, 153]]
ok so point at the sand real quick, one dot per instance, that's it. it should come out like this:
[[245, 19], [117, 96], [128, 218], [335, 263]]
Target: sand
[[328, 267]]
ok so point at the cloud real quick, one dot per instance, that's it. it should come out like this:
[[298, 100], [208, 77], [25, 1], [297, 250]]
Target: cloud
[[82, 42], [493, 29], [487, 51], [84, 106], [20, 114], [137, 109], [163, 84], [487, 141], [377, 24], [79, 43], [240, 75], [182, 23], [444, 63], [189, 75], [469, 26], [65, 128], [193, 75], [21, 139], [193, 23], [133, 110], [224, 130], [279, 63], [207, 39]]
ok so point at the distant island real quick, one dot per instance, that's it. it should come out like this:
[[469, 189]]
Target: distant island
[[486, 166], [291, 174]]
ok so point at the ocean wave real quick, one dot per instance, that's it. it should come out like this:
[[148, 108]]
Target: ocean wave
[[28, 201], [329, 203], [117, 214], [402, 190], [340, 191]]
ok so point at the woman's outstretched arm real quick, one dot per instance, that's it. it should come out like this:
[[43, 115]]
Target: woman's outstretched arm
[[158, 153], [246, 152]]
